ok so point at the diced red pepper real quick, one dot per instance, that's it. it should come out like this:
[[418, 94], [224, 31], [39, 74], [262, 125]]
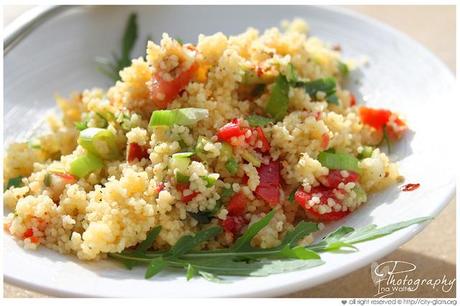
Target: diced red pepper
[[160, 187], [233, 224], [163, 92], [376, 118], [230, 130], [186, 198], [269, 183], [352, 100], [334, 178], [379, 119], [67, 178], [268, 193], [135, 151], [302, 198], [269, 174], [34, 239], [324, 141], [327, 217], [263, 139], [28, 233], [237, 204]]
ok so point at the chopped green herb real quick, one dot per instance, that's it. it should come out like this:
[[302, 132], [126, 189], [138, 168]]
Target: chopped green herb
[[343, 68], [326, 85], [47, 180], [232, 166], [180, 40], [82, 125], [15, 182], [256, 120], [366, 152], [277, 104], [291, 74]]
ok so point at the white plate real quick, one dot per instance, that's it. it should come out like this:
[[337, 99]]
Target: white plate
[[58, 57]]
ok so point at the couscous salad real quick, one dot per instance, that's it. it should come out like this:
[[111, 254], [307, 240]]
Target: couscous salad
[[246, 143]]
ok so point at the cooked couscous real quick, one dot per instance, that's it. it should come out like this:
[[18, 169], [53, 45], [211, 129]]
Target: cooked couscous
[[216, 133]]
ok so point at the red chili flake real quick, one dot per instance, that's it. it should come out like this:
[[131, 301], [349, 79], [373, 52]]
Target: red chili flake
[[410, 187]]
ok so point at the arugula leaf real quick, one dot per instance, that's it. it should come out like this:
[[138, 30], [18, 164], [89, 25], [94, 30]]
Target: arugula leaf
[[111, 68], [347, 236], [151, 236], [301, 230], [129, 37], [191, 272], [245, 260], [372, 232], [188, 242], [244, 242], [155, 266], [210, 277]]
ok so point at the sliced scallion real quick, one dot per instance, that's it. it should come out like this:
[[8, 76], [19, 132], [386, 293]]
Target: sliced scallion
[[100, 142], [180, 116], [232, 166], [85, 164], [339, 161], [326, 85], [251, 158]]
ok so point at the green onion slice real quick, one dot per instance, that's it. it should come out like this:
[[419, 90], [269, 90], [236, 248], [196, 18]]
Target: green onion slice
[[339, 161], [181, 116], [100, 142], [85, 164]]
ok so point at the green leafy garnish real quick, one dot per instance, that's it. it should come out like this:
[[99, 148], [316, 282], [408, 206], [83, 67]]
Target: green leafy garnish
[[277, 105], [256, 120], [343, 68], [292, 195], [47, 180], [339, 161], [291, 74], [82, 125], [242, 259], [112, 68], [15, 181], [180, 40], [326, 85], [386, 139]]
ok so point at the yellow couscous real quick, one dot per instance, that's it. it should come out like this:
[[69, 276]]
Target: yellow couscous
[[217, 133]]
